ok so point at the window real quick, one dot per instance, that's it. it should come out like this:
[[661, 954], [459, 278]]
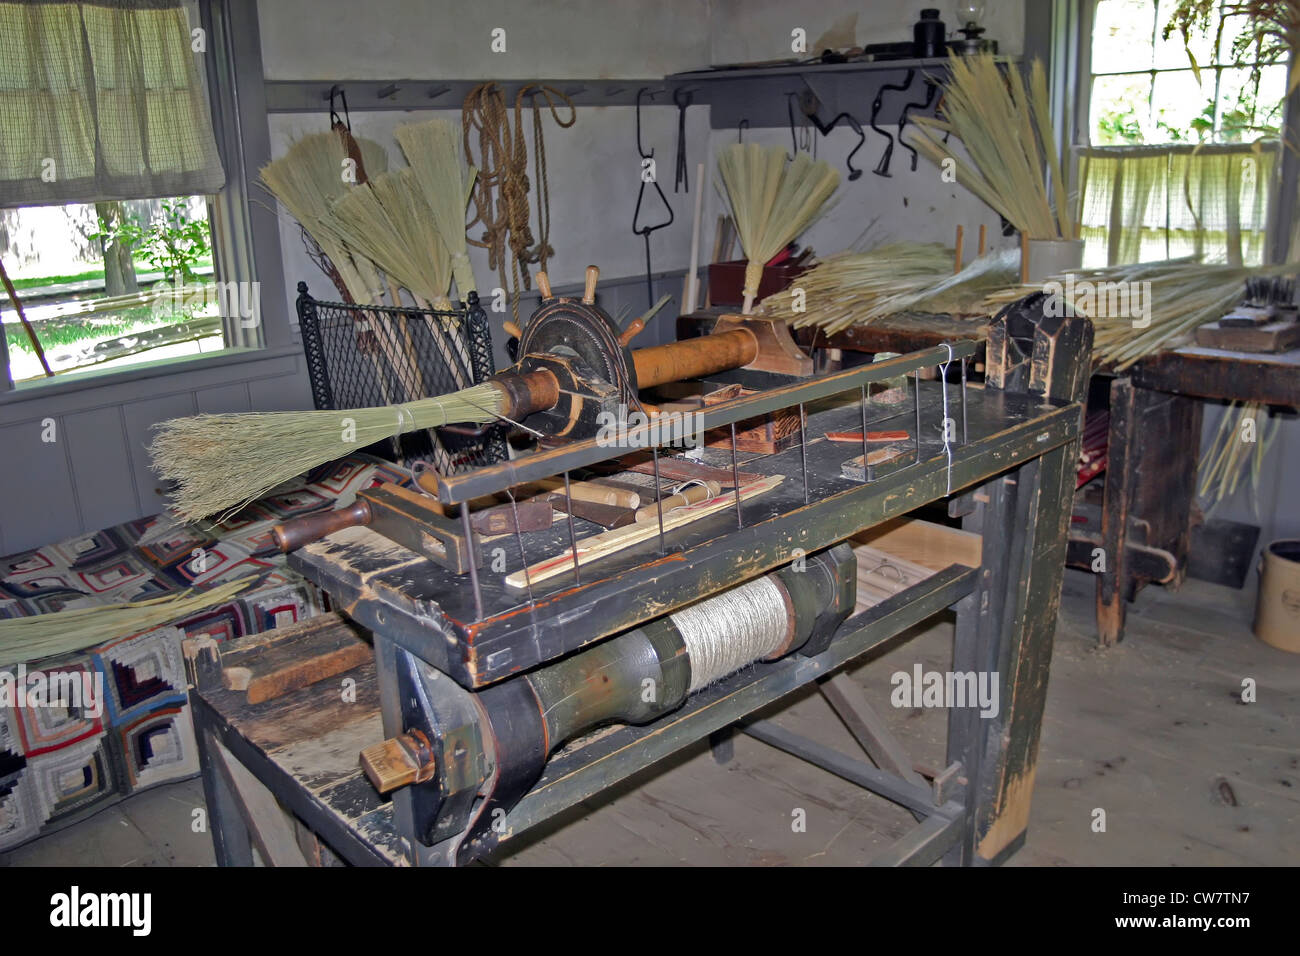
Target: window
[[110, 284], [1145, 89], [108, 121], [1184, 116]]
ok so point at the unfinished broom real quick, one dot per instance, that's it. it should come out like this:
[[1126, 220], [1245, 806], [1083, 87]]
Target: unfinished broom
[[75, 629], [222, 462], [1010, 147], [773, 199]]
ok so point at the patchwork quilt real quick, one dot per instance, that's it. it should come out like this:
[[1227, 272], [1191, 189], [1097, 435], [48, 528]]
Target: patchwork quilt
[[66, 755]]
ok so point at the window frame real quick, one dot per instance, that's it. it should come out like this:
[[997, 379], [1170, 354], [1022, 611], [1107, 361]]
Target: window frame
[[245, 235], [1282, 211]]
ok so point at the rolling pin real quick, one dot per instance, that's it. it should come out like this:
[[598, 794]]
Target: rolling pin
[[687, 496]]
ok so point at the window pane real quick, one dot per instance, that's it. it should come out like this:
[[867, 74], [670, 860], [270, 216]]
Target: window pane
[[1182, 109], [92, 278], [1120, 109], [1171, 54], [1121, 36], [1250, 103]]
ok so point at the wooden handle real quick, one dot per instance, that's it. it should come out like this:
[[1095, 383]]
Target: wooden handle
[[632, 331], [602, 495], [688, 496], [292, 535], [956, 266], [399, 761], [589, 290], [544, 286], [984, 236], [512, 330]]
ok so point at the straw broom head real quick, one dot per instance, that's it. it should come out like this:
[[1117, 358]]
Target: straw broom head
[[222, 462], [75, 629], [388, 221], [1010, 149], [772, 200], [307, 180], [433, 148]]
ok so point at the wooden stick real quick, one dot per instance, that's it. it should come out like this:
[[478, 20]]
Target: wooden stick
[[692, 283], [956, 266], [22, 317], [984, 235], [598, 546]]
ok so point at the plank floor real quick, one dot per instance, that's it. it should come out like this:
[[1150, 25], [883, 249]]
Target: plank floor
[[1152, 731]]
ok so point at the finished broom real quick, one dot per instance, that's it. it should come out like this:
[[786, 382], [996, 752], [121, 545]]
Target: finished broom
[[433, 149], [773, 199]]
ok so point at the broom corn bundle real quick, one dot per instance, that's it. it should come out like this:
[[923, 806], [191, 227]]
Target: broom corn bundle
[[307, 181], [1139, 309], [75, 629], [1006, 130], [219, 463], [773, 199], [857, 288], [433, 150]]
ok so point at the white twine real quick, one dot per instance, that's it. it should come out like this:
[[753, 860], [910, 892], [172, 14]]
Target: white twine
[[405, 413], [943, 380], [729, 630]]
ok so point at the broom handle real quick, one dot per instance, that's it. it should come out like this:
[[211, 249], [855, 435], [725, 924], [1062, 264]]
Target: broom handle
[[692, 283], [22, 317]]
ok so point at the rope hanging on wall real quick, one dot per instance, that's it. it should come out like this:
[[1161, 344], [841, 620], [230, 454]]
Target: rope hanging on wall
[[737, 627], [501, 192]]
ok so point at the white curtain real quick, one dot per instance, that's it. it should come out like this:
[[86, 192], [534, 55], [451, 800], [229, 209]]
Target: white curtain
[[1145, 203], [101, 101]]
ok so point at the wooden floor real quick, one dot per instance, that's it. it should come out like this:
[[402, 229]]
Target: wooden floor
[[1153, 732]]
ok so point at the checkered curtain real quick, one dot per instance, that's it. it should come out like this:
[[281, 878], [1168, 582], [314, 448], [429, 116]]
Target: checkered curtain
[[1147, 203], [101, 101]]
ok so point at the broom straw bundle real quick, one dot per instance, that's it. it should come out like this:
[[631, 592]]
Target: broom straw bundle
[[773, 199], [855, 288], [222, 462], [1007, 133], [75, 629], [1139, 309], [433, 149]]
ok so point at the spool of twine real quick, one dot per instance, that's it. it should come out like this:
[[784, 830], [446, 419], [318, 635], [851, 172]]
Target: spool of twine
[[729, 630]]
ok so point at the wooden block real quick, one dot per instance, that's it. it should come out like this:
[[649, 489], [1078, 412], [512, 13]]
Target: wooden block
[[1269, 339], [287, 659], [924, 543]]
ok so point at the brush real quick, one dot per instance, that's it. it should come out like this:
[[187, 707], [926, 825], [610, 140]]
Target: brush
[[773, 199]]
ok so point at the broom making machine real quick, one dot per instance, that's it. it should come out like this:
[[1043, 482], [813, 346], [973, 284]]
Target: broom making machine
[[697, 573]]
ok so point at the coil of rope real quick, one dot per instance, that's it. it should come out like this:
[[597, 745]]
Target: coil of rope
[[501, 191]]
